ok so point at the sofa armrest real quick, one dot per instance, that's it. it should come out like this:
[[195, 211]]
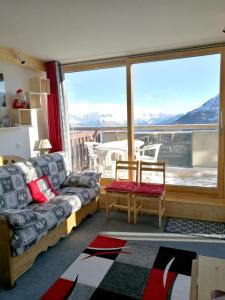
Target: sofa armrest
[[5, 252], [3, 219]]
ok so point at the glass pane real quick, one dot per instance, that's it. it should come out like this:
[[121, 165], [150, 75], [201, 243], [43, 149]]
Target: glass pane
[[97, 119], [176, 111]]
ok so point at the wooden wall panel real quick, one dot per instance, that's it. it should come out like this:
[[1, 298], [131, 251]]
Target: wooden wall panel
[[30, 62]]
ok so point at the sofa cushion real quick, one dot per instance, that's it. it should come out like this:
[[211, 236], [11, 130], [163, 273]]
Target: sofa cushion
[[20, 218], [78, 196], [48, 215], [29, 171], [52, 165], [42, 190], [86, 179], [53, 212], [24, 238], [14, 192]]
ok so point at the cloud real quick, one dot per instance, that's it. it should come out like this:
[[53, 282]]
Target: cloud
[[147, 96], [118, 111]]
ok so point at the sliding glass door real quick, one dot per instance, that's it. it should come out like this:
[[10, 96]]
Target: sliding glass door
[[97, 119], [174, 103], [177, 114]]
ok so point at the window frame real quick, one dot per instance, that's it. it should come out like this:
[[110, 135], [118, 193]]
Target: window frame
[[173, 190]]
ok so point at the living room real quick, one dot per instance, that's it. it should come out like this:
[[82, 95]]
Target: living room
[[85, 85]]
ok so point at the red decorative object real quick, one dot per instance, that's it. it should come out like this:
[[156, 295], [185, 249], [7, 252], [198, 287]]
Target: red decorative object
[[60, 290], [122, 186], [53, 108], [154, 288], [21, 100], [107, 242], [42, 190], [150, 189]]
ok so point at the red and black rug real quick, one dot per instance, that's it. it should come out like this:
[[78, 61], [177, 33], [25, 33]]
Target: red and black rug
[[111, 268]]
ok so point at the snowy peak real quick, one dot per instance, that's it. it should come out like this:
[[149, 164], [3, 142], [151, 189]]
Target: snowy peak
[[207, 113]]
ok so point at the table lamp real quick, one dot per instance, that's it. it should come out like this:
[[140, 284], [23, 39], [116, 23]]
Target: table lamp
[[44, 146]]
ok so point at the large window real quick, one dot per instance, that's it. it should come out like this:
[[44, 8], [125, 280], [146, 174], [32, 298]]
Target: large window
[[175, 108], [176, 114], [97, 119]]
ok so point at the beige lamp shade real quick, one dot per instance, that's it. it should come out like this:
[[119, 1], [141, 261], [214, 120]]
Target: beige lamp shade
[[44, 146]]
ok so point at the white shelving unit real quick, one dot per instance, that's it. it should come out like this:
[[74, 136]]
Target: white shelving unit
[[40, 85], [34, 100], [21, 117]]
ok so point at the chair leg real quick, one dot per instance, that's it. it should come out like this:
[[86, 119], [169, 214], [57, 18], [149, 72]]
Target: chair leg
[[129, 209], [135, 211], [164, 202], [107, 207], [160, 212]]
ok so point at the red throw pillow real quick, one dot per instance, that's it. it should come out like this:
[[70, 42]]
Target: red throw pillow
[[42, 190]]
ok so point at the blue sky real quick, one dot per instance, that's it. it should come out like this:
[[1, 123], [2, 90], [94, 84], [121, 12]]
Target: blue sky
[[170, 87]]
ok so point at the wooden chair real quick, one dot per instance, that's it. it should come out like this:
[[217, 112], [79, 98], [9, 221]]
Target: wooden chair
[[148, 192], [9, 159], [122, 189]]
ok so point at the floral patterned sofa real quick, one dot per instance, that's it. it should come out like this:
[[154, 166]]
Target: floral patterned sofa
[[28, 228]]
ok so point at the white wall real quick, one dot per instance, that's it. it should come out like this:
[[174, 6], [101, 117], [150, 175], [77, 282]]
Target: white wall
[[205, 148], [20, 141]]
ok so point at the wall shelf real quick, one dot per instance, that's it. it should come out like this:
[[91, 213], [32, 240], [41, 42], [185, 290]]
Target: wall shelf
[[21, 116], [15, 127], [40, 85], [34, 100]]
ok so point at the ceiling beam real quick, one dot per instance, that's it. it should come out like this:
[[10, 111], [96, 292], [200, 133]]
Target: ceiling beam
[[15, 57]]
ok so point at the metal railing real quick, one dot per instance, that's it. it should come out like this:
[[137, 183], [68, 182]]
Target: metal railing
[[80, 135]]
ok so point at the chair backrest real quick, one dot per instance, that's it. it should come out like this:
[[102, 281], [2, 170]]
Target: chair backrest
[[10, 159], [152, 167], [127, 165], [91, 147], [90, 150], [114, 155], [151, 147]]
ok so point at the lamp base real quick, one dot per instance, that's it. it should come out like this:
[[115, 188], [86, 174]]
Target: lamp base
[[44, 151]]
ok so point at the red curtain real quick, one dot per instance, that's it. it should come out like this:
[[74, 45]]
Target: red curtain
[[54, 128]]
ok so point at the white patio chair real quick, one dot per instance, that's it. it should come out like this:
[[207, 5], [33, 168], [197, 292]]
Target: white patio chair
[[113, 156], [149, 153], [93, 157], [107, 160]]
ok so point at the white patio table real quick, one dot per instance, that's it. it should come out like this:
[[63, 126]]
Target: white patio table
[[109, 152], [118, 145]]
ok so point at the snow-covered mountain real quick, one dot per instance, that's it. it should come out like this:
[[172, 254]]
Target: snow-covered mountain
[[94, 119], [205, 114], [108, 120], [208, 113]]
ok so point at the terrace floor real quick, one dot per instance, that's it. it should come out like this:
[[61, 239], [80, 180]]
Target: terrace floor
[[196, 176]]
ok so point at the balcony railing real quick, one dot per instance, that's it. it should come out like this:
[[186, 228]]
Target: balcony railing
[[184, 147], [80, 156]]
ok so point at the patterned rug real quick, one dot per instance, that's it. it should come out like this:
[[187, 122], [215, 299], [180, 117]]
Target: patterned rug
[[206, 229], [111, 268]]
